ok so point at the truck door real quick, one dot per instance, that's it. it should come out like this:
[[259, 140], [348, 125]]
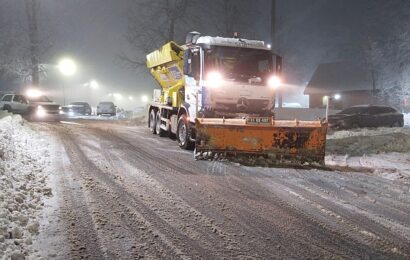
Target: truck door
[[193, 79]]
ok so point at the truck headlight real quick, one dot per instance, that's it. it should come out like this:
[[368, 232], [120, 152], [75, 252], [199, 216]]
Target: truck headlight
[[274, 81], [41, 112], [214, 79]]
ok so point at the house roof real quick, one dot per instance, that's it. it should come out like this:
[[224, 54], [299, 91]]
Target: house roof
[[339, 77]]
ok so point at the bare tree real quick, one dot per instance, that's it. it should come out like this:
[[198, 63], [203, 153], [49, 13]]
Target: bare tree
[[32, 8], [150, 24], [11, 69], [230, 16], [21, 46]]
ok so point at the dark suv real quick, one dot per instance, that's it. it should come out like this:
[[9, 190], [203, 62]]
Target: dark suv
[[366, 116], [77, 108]]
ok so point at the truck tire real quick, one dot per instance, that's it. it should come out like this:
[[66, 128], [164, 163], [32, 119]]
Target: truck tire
[[161, 132], [183, 133], [152, 122]]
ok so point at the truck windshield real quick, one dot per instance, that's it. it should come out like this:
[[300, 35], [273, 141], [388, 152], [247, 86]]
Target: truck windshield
[[239, 63]]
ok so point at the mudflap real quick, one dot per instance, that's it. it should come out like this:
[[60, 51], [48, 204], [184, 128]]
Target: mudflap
[[272, 142]]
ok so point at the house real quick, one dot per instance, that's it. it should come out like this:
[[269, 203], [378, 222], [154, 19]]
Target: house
[[351, 81]]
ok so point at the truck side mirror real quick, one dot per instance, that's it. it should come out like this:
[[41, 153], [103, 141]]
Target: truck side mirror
[[188, 63]]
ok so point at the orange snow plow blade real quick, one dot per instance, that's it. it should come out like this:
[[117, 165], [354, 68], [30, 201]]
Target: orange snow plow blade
[[279, 142]]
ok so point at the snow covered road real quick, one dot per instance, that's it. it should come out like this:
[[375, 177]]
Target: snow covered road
[[123, 193], [130, 194]]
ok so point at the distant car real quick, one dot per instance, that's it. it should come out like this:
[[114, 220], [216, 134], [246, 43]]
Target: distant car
[[366, 116], [106, 108], [15, 103], [77, 108], [44, 109]]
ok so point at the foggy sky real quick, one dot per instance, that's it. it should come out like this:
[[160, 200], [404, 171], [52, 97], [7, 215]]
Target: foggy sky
[[93, 33], [309, 32]]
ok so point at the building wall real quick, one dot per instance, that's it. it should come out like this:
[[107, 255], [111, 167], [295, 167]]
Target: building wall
[[347, 99]]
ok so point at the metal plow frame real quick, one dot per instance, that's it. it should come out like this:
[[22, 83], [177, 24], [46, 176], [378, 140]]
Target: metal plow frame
[[273, 142]]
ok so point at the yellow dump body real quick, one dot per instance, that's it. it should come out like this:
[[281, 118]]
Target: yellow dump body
[[280, 141], [166, 66]]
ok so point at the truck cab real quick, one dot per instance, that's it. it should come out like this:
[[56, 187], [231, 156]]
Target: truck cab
[[230, 77], [211, 77]]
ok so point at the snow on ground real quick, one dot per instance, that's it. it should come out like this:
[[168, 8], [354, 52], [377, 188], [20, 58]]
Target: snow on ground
[[23, 158], [383, 151]]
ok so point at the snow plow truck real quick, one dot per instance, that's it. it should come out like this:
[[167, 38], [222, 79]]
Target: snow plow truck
[[217, 97]]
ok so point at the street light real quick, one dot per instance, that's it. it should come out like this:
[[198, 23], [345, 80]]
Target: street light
[[94, 84], [67, 67], [337, 96]]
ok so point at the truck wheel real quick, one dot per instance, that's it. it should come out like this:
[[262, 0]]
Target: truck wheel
[[183, 134], [161, 132], [152, 122]]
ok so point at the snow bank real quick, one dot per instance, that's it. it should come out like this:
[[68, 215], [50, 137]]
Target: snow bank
[[384, 151], [23, 158], [3, 114], [369, 141]]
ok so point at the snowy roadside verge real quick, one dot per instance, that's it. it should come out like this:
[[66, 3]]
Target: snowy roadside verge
[[23, 160], [382, 151]]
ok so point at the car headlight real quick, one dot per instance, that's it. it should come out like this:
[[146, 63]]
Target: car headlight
[[214, 79], [274, 81], [41, 112]]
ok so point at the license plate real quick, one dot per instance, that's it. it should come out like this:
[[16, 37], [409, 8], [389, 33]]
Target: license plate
[[259, 120]]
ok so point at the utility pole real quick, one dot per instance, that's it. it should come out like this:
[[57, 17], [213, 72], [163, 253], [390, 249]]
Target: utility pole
[[274, 40], [32, 7]]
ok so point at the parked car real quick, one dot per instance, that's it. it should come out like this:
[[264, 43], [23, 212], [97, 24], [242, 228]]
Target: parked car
[[77, 108], [44, 109], [106, 108], [15, 103], [366, 116]]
